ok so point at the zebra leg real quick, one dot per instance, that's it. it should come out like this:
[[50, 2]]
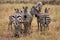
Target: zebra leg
[[40, 27], [16, 33], [29, 27], [47, 27], [25, 29], [30, 24], [44, 27], [20, 29], [38, 23], [10, 26]]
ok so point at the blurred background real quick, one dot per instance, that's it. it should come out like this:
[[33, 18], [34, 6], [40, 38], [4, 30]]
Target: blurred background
[[31, 1]]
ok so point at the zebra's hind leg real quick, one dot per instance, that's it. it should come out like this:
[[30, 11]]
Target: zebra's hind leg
[[40, 27], [46, 27]]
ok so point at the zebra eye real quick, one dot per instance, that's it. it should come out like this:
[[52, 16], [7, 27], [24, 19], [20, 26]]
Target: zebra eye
[[13, 16]]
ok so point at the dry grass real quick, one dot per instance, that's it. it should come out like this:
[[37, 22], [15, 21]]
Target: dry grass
[[54, 26]]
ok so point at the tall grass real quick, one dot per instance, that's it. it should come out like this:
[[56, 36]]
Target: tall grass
[[52, 34]]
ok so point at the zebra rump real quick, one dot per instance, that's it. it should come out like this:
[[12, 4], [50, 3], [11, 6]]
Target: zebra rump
[[45, 19]]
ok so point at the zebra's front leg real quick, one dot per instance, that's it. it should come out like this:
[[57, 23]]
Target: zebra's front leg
[[25, 29], [44, 27], [16, 33], [10, 26], [30, 25], [38, 25]]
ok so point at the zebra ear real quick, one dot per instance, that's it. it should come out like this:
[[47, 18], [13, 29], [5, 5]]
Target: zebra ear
[[27, 7], [17, 9], [23, 7], [21, 11], [14, 9]]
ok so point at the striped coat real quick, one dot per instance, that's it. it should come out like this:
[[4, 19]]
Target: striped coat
[[44, 21], [27, 20], [16, 19]]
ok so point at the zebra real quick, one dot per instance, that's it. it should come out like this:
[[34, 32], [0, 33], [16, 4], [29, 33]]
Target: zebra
[[41, 19], [27, 20], [44, 21], [16, 19], [35, 12]]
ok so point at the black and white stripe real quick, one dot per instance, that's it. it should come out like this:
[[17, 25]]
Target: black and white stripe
[[43, 21], [16, 20]]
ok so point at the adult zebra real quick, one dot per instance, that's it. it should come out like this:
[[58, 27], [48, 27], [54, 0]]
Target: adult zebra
[[16, 19], [42, 20], [27, 20], [36, 10]]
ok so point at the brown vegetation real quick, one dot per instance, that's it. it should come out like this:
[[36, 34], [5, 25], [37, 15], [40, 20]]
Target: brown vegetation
[[54, 26]]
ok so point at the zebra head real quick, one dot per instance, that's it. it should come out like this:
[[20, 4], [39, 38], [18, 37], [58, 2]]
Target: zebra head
[[25, 9], [39, 4]]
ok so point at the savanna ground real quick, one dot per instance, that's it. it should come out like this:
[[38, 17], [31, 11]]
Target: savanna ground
[[54, 27]]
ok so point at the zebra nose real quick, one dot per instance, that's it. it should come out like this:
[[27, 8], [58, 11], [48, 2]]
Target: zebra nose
[[19, 19]]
